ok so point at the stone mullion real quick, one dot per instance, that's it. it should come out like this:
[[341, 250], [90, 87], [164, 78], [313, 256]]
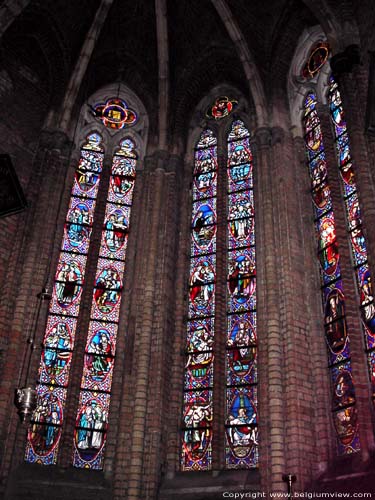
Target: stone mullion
[[53, 154], [219, 391], [353, 105], [358, 358], [319, 417], [271, 392], [145, 331]]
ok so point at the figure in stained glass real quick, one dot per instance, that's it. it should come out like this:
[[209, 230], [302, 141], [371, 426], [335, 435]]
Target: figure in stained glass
[[89, 436], [107, 290], [241, 415], [320, 189], [205, 169], [343, 389], [203, 226], [122, 179], [44, 432], [239, 155], [241, 278], [241, 224], [367, 302], [328, 250], [346, 425], [116, 226], [78, 219], [316, 60], [222, 107], [57, 346], [100, 358], [334, 318], [197, 418], [242, 334], [68, 278], [202, 286]]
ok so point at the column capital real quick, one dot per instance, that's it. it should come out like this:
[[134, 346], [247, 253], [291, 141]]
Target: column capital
[[344, 61], [163, 160], [277, 135], [263, 136], [55, 140]]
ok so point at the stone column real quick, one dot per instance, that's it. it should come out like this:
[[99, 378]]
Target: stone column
[[301, 336], [153, 331], [271, 392]]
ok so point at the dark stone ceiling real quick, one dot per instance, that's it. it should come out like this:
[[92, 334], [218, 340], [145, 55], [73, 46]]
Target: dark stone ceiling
[[46, 38]]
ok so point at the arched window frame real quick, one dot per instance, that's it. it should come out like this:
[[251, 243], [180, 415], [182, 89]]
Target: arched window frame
[[221, 129], [319, 85], [88, 124]]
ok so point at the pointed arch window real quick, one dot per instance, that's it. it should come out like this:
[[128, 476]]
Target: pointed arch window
[[333, 297], [91, 423], [334, 302], [58, 344], [236, 243]]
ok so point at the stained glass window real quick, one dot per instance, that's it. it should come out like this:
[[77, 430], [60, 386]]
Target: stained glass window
[[46, 424], [241, 450], [94, 399], [204, 317], [196, 451], [354, 223], [115, 114], [335, 325]]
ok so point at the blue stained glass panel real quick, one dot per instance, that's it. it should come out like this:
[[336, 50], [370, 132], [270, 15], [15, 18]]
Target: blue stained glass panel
[[57, 351], [239, 152], [90, 432], [343, 152], [99, 357], [240, 178], [203, 227], [242, 329], [77, 230], [241, 366], [45, 430], [200, 335]]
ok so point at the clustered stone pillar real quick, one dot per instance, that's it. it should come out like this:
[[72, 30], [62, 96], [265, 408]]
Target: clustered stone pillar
[[271, 397], [153, 290]]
